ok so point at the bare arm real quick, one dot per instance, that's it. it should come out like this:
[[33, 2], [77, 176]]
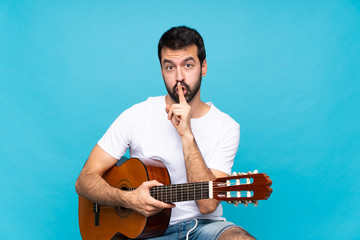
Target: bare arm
[[196, 169], [92, 186]]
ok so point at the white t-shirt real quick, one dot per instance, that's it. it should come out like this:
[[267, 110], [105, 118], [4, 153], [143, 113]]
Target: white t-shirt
[[146, 130]]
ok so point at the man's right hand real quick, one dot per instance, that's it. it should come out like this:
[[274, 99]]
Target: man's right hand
[[92, 186], [141, 201]]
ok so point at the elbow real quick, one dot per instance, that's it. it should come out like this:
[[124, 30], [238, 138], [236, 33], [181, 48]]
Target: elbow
[[205, 211], [78, 186], [207, 208]]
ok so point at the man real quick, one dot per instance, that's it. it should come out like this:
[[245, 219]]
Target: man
[[195, 140]]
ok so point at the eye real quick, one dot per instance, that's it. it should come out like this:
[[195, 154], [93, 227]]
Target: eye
[[188, 65], [169, 67]]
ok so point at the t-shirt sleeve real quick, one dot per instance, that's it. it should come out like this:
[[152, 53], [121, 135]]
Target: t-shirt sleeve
[[117, 138], [224, 154]]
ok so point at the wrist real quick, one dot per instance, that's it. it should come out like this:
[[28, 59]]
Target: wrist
[[187, 137], [123, 198]]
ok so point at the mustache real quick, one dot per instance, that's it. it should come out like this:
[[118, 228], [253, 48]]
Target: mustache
[[183, 84]]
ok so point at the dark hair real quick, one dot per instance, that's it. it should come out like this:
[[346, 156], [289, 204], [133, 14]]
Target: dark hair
[[180, 37]]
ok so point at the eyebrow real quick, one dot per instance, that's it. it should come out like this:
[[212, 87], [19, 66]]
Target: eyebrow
[[185, 60]]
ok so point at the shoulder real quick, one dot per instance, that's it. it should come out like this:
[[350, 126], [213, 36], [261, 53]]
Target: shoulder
[[143, 106], [222, 118]]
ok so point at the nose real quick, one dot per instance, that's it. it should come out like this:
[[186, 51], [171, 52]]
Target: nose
[[179, 75]]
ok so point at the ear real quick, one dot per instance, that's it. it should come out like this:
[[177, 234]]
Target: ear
[[204, 68]]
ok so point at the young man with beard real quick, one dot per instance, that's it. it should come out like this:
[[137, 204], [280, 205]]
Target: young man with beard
[[195, 140]]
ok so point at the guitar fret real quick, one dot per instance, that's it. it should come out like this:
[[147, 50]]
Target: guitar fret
[[193, 191], [168, 196], [188, 196], [181, 192], [162, 195]]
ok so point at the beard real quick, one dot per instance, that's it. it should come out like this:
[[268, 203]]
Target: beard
[[190, 92]]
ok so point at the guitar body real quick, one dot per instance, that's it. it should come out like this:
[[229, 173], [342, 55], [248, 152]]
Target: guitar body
[[120, 223], [115, 223]]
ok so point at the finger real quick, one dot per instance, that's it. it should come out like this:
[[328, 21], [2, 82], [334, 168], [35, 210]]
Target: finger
[[170, 113], [165, 205], [159, 204], [153, 183], [167, 109], [181, 93], [174, 121], [156, 203], [177, 118]]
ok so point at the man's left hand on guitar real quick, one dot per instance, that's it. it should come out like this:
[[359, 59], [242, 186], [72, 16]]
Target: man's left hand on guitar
[[142, 202]]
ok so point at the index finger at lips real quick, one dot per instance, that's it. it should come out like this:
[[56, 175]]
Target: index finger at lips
[[181, 93]]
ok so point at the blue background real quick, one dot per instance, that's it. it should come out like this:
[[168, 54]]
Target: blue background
[[287, 71]]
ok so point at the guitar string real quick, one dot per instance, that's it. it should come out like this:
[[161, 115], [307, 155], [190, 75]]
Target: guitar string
[[164, 189], [173, 194], [192, 197], [191, 185], [225, 199], [188, 189], [172, 189]]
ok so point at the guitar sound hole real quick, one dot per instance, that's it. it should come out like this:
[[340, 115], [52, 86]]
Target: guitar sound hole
[[125, 189], [121, 211]]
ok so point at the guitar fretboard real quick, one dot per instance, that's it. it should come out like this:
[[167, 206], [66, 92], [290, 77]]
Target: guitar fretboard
[[181, 192]]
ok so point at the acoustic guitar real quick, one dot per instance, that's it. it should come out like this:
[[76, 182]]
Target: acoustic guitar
[[105, 222]]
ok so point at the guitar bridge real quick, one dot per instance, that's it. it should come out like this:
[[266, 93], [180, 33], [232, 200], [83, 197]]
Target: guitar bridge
[[96, 210]]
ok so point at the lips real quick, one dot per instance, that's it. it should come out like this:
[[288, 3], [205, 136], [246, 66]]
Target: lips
[[183, 89]]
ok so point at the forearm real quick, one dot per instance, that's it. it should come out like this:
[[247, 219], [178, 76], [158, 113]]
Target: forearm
[[93, 187], [197, 171]]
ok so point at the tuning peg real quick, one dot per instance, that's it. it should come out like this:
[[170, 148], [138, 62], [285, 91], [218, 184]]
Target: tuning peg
[[256, 171], [236, 203], [234, 174], [256, 203], [246, 203]]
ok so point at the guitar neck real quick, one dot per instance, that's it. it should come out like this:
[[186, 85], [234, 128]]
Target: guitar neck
[[244, 188], [182, 192]]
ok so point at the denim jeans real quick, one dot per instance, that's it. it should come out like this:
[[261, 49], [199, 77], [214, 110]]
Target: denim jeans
[[205, 229]]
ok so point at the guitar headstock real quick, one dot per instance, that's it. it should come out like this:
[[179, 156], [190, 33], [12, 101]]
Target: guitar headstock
[[242, 188]]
